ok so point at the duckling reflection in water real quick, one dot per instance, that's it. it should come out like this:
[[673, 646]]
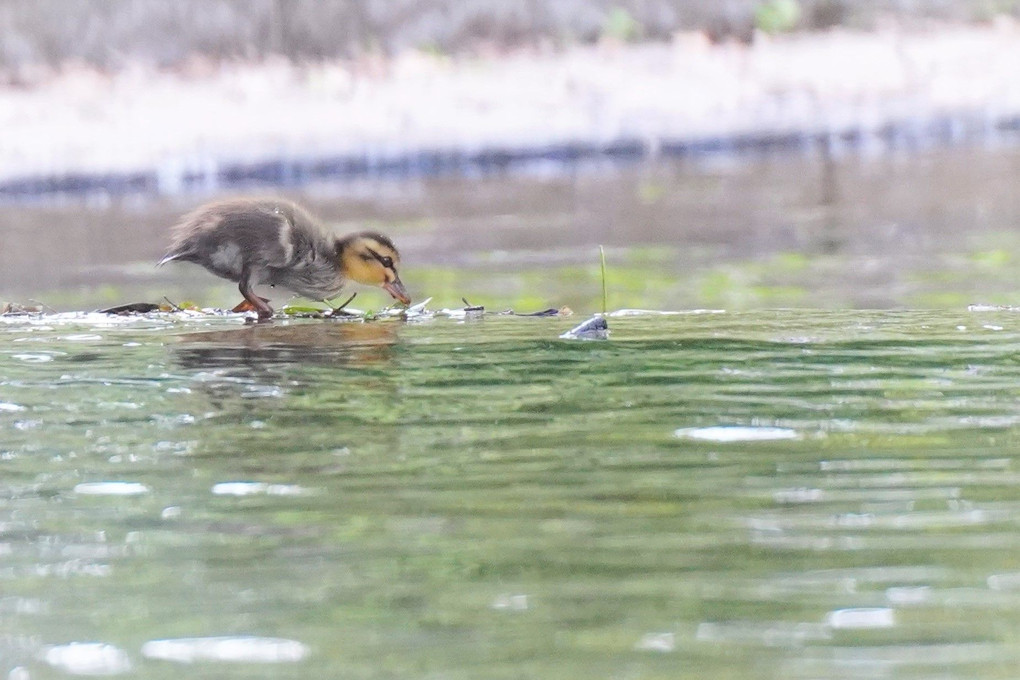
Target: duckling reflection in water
[[276, 242], [270, 346]]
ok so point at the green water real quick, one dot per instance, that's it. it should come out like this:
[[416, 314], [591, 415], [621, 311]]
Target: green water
[[482, 499]]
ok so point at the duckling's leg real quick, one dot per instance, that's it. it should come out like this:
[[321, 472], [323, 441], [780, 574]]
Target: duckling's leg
[[245, 306], [259, 304]]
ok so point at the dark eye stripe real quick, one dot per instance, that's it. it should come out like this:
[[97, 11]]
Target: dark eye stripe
[[384, 260]]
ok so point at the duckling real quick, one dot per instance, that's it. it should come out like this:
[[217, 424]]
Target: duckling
[[269, 241]]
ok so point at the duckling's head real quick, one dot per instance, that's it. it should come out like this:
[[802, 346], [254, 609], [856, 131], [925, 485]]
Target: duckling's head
[[372, 259]]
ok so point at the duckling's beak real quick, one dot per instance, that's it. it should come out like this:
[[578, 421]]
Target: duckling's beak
[[397, 290]]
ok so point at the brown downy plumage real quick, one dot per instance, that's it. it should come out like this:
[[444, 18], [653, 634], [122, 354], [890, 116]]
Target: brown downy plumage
[[267, 241]]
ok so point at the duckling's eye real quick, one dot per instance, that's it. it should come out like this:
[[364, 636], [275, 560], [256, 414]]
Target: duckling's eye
[[386, 262]]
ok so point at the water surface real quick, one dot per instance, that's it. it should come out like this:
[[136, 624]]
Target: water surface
[[765, 494]]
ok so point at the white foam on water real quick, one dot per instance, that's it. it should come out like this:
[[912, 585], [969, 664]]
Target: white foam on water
[[736, 433], [239, 488], [861, 618], [111, 489], [254, 488], [512, 602], [656, 642], [767, 633], [641, 312], [33, 358], [663, 312], [1007, 581], [908, 595], [242, 649], [992, 308], [88, 658]]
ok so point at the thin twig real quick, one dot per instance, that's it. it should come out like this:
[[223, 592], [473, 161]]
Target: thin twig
[[346, 302], [176, 307], [339, 311], [605, 296]]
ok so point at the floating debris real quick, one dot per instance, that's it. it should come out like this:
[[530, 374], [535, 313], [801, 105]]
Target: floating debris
[[309, 312], [469, 311], [14, 309], [595, 328], [468, 307], [418, 308], [149, 307], [418, 312], [463, 313], [552, 311], [341, 310], [132, 308]]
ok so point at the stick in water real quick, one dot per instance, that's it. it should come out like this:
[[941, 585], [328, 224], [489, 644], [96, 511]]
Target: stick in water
[[602, 255]]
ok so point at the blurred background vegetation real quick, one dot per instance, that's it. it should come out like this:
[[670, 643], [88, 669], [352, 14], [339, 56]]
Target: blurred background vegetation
[[901, 200], [111, 33]]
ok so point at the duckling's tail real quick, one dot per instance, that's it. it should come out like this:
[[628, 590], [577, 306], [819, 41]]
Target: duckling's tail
[[173, 255]]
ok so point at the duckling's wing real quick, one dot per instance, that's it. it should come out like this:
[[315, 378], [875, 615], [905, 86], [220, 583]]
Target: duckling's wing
[[228, 236]]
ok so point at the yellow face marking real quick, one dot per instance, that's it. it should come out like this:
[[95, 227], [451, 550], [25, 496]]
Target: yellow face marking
[[365, 259], [372, 262]]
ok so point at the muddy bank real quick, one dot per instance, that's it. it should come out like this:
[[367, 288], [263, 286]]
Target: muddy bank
[[228, 127]]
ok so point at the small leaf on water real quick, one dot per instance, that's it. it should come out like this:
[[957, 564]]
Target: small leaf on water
[[302, 309]]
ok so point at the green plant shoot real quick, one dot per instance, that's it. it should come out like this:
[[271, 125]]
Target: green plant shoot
[[602, 257]]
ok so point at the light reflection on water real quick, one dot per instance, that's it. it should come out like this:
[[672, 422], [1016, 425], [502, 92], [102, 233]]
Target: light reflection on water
[[797, 494]]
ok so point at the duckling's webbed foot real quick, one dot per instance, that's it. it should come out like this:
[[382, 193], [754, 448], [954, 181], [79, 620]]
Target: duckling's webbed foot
[[245, 306], [259, 304]]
